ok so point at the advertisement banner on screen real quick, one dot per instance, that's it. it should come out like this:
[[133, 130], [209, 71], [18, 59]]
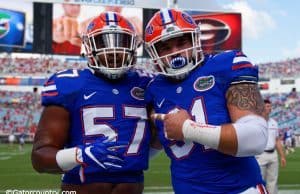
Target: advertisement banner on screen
[[70, 20], [219, 31], [16, 26]]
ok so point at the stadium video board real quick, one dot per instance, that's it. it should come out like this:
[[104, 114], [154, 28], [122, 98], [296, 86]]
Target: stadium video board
[[70, 20], [16, 26], [12, 28], [219, 31]]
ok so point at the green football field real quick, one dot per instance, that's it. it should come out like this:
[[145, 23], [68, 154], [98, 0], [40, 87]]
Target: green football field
[[16, 172]]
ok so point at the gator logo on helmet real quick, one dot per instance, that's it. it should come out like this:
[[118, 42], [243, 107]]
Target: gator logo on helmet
[[90, 26], [4, 24], [137, 93], [204, 83], [149, 29], [131, 27], [188, 18]]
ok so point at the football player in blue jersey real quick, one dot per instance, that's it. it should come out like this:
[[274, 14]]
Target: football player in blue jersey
[[94, 127], [208, 109]]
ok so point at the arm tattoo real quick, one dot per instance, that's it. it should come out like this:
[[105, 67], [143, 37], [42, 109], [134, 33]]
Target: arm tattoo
[[245, 97]]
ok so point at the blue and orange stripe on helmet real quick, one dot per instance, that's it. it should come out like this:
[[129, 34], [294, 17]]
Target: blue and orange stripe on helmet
[[166, 16], [111, 18]]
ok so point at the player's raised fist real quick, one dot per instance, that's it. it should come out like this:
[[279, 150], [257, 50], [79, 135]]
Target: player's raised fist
[[65, 29]]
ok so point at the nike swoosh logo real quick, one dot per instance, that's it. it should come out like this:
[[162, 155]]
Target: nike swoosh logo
[[91, 156], [161, 103], [88, 96]]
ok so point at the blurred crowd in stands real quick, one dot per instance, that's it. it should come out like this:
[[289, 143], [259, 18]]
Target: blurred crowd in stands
[[282, 69], [48, 65], [44, 66], [19, 112], [36, 66]]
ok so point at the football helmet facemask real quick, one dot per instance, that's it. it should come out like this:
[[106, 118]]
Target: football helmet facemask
[[169, 24], [110, 44]]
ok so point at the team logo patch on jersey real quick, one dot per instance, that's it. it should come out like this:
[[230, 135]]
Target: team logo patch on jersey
[[137, 93], [204, 83]]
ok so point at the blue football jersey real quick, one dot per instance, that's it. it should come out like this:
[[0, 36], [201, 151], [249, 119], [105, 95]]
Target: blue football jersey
[[202, 93], [99, 107]]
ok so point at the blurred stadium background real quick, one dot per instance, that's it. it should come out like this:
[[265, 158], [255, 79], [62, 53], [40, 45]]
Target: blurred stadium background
[[28, 58]]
